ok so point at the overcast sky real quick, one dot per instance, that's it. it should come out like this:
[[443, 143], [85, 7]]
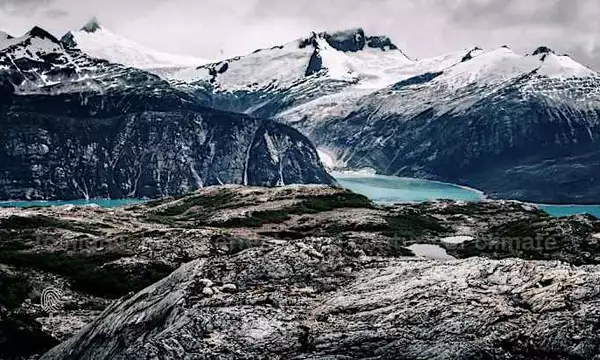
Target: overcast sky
[[224, 28]]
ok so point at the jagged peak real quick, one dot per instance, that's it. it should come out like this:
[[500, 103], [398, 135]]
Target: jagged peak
[[346, 35], [543, 50], [472, 53], [350, 40], [92, 26], [69, 40], [561, 65], [38, 32]]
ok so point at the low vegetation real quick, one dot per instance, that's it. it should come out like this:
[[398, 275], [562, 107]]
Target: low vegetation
[[88, 273], [307, 205], [318, 204], [184, 204], [32, 223], [412, 226]]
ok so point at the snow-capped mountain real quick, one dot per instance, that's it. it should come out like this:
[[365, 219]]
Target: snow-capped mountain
[[346, 56], [37, 63], [270, 80], [74, 126], [461, 85], [516, 126], [99, 42]]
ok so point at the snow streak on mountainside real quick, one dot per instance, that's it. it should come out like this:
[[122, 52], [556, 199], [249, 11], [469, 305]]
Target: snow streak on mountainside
[[516, 126], [99, 42]]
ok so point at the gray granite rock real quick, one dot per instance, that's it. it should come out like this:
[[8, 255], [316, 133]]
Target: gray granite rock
[[300, 271]]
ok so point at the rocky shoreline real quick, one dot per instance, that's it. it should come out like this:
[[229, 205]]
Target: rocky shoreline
[[306, 272]]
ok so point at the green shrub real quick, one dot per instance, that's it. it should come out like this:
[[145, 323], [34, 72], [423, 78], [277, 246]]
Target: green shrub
[[238, 245], [516, 229], [308, 205], [113, 281]]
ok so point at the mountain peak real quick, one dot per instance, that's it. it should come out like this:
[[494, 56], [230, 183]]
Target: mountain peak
[[543, 50], [96, 41], [92, 26], [472, 53], [38, 32], [346, 40], [68, 40], [350, 40]]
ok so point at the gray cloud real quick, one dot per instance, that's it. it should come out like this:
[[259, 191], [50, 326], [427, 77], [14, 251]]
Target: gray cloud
[[569, 26], [485, 13], [56, 13], [212, 28]]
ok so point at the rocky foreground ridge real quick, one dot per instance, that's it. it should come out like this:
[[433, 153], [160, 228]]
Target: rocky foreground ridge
[[309, 272]]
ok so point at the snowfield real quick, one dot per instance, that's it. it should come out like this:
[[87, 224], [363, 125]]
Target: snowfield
[[99, 42]]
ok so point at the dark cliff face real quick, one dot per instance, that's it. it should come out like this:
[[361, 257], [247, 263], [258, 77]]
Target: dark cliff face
[[148, 154], [74, 127]]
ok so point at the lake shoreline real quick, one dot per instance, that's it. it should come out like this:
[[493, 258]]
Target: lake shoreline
[[381, 189], [558, 210]]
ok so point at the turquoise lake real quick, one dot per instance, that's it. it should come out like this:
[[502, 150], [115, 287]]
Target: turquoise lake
[[568, 210], [381, 189], [387, 190]]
